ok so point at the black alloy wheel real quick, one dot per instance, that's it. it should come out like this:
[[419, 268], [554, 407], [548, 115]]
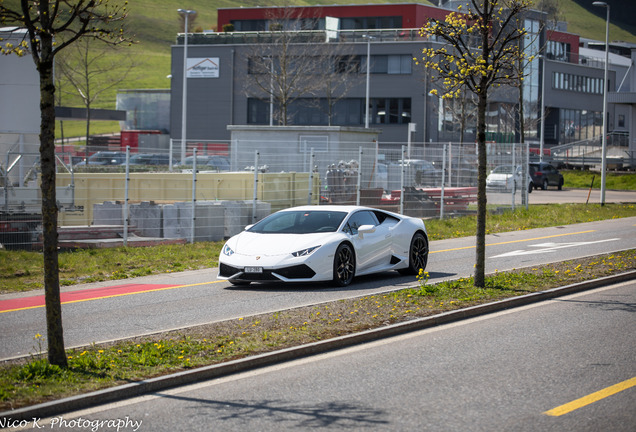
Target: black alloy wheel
[[418, 255], [344, 265]]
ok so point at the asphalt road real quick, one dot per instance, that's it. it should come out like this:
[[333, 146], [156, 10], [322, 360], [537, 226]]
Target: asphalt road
[[197, 297], [554, 196], [560, 365]]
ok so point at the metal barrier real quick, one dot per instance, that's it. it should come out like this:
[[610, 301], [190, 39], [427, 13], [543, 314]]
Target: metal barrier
[[152, 196]]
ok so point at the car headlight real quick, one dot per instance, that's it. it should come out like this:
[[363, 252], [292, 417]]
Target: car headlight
[[227, 250], [305, 252]]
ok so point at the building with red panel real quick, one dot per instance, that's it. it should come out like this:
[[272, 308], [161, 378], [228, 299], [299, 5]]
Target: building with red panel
[[352, 17], [561, 87]]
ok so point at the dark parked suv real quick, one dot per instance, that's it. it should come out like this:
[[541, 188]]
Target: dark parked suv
[[544, 175]]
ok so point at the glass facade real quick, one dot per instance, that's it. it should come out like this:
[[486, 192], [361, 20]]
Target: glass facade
[[559, 51], [531, 84], [346, 112], [387, 64], [578, 125], [352, 23], [577, 83]]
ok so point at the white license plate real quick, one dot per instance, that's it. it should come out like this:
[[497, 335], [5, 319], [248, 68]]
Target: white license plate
[[253, 269]]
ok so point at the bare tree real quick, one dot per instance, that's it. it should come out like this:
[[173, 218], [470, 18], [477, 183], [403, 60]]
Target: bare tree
[[282, 66], [91, 69], [337, 72], [551, 7], [52, 26]]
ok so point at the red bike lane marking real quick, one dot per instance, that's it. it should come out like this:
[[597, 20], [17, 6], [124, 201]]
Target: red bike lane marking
[[82, 295]]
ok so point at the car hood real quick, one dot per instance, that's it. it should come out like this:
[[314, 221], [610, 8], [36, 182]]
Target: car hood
[[248, 243], [499, 176]]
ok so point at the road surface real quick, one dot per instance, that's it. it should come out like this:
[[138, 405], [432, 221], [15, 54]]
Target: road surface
[[114, 310]]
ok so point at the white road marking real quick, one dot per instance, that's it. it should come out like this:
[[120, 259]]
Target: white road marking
[[549, 247]]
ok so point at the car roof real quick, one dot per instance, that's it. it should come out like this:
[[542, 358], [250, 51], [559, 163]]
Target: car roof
[[331, 207]]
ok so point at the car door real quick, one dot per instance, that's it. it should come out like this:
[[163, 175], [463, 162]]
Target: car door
[[372, 248], [552, 175]]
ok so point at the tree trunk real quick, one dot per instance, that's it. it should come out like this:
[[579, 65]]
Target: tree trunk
[[55, 337], [480, 254]]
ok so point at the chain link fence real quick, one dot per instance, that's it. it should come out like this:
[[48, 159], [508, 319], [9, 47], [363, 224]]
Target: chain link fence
[[209, 191]]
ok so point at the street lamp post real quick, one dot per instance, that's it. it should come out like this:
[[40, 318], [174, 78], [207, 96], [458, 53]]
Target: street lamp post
[[605, 85], [366, 111], [542, 137], [184, 98]]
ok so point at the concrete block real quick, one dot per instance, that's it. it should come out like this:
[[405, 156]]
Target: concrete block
[[108, 213], [177, 220], [147, 217]]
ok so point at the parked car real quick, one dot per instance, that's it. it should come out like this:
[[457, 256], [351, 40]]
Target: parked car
[[543, 175], [210, 162], [150, 159], [506, 177], [104, 158], [218, 163], [324, 243], [417, 172]]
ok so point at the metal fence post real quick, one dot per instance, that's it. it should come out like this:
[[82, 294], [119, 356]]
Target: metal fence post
[[514, 174], [126, 196], [526, 167], [170, 162], [402, 180], [441, 198], [194, 193], [359, 175], [311, 176], [255, 197]]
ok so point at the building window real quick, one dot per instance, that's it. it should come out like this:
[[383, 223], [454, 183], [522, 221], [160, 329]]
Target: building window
[[621, 120], [345, 112], [578, 125], [559, 51], [577, 83], [359, 23], [387, 64]]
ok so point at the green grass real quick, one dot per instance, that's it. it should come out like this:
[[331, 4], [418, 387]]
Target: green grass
[[22, 271], [33, 380], [613, 180]]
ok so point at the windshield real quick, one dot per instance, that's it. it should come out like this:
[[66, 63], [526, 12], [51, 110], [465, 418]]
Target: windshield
[[503, 169], [299, 222]]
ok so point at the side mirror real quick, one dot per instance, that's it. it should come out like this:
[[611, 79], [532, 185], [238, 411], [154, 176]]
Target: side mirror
[[365, 229]]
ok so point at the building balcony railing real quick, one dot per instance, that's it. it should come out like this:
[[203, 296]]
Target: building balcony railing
[[303, 36]]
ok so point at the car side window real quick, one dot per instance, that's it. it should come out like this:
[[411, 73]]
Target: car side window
[[358, 219]]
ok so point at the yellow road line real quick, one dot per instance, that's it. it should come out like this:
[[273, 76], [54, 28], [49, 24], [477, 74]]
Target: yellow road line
[[515, 241], [591, 398]]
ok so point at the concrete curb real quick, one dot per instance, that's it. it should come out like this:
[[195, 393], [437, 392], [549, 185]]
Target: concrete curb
[[215, 371]]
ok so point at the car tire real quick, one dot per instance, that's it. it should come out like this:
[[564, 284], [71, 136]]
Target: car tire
[[418, 255], [544, 185], [344, 265], [530, 187], [561, 185]]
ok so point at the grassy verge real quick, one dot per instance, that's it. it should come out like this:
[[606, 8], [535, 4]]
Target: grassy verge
[[30, 381], [22, 271], [613, 180]]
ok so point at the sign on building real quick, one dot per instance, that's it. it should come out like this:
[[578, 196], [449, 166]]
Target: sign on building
[[203, 67]]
